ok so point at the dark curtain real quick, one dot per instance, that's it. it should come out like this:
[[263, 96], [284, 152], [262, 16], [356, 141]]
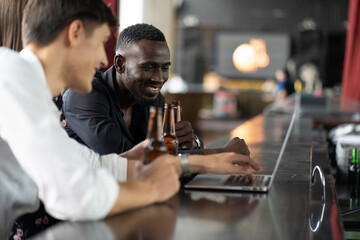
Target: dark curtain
[[110, 48], [351, 74]]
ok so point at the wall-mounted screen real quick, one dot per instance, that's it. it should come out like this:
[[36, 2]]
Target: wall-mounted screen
[[240, 55]]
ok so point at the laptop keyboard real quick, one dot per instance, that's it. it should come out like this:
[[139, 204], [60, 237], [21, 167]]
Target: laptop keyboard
[[241, 180]]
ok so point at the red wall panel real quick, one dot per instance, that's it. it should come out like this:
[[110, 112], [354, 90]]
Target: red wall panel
[[351, 74], [110, 48]]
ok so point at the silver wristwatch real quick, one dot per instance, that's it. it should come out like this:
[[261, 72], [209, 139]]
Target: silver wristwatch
[[185, 165]]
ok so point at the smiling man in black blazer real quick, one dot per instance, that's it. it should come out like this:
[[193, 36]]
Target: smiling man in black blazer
[[114, 116]]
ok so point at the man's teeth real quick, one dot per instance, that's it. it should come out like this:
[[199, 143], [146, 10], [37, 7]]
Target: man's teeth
[[153, 88]]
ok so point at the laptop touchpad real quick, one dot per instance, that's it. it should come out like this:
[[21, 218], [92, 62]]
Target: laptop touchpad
[[209, 179]]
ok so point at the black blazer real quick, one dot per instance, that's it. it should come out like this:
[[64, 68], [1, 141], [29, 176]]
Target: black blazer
[[96, 120]]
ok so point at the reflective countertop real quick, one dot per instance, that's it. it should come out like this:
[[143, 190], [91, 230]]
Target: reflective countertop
[[294, 208]]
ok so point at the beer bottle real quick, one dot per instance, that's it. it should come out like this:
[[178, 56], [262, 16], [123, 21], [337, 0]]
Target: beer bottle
[[156, 145], [177, 110], [169, 129], [354, 172]]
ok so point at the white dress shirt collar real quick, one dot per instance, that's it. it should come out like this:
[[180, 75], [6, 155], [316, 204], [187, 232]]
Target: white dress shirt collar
[[30, 57]]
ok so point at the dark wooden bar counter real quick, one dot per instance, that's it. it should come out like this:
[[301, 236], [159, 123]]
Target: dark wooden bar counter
[[294, 208]]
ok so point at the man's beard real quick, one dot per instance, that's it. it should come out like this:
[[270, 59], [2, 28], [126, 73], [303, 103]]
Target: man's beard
[[140, 100]]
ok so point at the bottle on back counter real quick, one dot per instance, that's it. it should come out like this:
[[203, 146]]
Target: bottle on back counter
[[354, 174], [169, 129], [156, 145]]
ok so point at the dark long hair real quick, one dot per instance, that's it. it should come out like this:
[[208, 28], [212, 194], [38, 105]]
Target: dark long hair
[[11, 12]]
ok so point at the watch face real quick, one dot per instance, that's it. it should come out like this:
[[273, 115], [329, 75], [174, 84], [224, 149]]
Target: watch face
[[197, 141]]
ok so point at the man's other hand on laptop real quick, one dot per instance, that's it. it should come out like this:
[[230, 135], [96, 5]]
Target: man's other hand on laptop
[[223, 163], [236, 145]]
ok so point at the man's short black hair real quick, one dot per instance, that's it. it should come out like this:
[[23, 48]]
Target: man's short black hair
[[137, 32], [44, 19]]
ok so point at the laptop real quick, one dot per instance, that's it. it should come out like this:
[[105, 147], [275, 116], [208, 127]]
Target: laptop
[[260, 183]]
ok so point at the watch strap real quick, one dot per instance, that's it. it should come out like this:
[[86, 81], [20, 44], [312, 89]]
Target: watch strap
[[185, 165]]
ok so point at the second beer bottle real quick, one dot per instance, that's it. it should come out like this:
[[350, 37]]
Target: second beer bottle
[[177, 110], [169, 129], [156, 145], [177, 113]]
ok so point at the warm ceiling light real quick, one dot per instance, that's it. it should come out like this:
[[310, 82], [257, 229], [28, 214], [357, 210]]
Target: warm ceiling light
[[244, 58], [262, 60], [248, 57]]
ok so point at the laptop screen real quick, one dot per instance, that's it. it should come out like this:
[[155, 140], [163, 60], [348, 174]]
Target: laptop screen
[[287, 136]]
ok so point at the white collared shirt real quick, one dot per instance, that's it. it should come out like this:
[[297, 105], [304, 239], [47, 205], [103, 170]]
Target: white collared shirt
[[74, 182]]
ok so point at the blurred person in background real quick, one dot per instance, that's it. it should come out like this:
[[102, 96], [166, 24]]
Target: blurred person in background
[[11, 12], [285, 86]]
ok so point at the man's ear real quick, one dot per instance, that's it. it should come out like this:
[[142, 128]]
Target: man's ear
[[119, 62], [75, 32]]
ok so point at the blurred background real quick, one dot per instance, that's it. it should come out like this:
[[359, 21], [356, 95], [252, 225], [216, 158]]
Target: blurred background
[[232, 58]]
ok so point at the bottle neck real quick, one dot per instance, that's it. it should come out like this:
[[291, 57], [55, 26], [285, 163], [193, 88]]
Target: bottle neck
[[155, 124], [169, 121], [177, 111]]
